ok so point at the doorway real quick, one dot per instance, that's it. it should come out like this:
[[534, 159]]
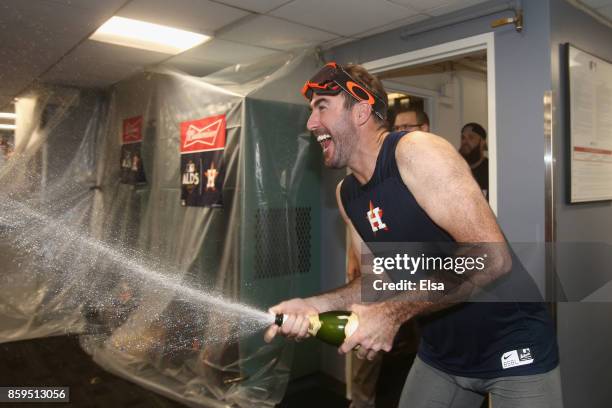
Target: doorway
[[455, 84]]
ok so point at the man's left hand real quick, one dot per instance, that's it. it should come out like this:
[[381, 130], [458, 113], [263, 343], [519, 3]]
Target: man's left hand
[[376, 330]]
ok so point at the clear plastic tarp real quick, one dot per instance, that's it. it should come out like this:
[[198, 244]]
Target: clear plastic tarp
[[126, 219]]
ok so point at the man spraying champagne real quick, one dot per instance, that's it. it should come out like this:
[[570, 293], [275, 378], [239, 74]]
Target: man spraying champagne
[[421, 190]]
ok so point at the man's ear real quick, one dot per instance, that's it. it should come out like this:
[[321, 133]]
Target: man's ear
[[362, 111]]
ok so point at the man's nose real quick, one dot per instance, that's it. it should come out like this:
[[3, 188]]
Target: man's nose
[[313, 122]]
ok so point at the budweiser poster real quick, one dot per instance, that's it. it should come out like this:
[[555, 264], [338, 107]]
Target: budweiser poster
[[202, 170], [132, 171]]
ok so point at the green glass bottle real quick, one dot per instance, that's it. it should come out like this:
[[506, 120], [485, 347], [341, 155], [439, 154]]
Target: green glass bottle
[[330, 327]]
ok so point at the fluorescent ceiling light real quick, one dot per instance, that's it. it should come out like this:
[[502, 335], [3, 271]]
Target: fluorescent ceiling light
[[394, 95], [10, 127], [7, 115], [147, 36]]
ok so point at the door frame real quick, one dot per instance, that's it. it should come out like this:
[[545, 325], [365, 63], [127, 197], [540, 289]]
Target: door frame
[[448, 50]]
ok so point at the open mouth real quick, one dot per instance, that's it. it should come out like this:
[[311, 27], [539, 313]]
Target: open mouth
[[324, 140]]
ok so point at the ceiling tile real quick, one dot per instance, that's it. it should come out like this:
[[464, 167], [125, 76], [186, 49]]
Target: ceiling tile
[[336, 42], [606, 12], [20, 56], [100, 64], [36, 34], [596, 3], [225, 51], [202, 16], [15, 79], [451, 7], [29, 23], [96, 52], [99, 6], [258, 6], [46, 18], [193, 66], [393, 25], [275, 33], [438, 7], [99, 79], [344, 17], [422, 5]]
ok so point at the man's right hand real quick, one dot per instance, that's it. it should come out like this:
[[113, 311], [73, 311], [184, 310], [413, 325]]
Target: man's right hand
[[295, 323]]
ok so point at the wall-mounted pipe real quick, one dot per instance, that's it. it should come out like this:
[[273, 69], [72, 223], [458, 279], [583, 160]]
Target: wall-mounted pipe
[[517, 20]]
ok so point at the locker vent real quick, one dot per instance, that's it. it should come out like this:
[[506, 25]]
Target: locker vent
[[282, 242]]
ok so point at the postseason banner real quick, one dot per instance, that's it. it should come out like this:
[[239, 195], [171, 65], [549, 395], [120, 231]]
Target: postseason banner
[[202, 168], [132, 171]]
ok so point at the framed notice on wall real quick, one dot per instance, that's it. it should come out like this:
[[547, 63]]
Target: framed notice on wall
[[590, 109]]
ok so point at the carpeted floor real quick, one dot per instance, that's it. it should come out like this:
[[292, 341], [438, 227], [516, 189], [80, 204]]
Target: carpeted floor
[[59, 361]]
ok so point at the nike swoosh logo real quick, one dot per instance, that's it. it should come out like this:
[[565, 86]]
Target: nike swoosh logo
[[507, 357]]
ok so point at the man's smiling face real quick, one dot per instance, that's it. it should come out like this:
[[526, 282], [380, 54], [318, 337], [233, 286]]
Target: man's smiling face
[[331, 123]]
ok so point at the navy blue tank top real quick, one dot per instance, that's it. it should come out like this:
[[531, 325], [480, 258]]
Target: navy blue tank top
[[481, 340]]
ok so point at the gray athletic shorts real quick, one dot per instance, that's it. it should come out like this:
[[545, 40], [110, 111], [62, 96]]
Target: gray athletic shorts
[[427, 387]]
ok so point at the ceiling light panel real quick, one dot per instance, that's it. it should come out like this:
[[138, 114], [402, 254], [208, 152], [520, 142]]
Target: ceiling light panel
[[200, 16], [147, 36]]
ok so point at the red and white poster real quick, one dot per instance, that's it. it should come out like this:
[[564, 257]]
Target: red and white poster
[[202, 167], [132, 171], [132, 130], [203, 135]]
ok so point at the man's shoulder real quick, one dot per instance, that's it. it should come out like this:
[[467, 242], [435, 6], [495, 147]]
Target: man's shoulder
[[418, 146]]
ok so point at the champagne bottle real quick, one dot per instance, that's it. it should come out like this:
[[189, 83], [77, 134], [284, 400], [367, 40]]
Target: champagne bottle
[[330, 327]]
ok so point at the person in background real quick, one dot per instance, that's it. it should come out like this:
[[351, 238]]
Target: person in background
[[410, 120], [473, 146]]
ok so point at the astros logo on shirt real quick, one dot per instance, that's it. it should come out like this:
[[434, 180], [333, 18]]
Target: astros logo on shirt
[[375, 218]]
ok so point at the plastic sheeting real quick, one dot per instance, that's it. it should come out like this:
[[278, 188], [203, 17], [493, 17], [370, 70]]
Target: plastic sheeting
[[158, 290]]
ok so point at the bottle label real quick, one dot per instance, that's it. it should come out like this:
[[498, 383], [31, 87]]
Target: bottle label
[[351, 325], [314, 325]]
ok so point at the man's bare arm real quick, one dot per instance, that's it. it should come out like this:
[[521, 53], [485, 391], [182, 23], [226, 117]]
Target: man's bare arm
[[443, 185]]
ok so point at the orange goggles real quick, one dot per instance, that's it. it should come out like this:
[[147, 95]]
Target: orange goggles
[[332, 79]]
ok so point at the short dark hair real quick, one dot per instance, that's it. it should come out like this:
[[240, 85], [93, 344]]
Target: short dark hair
[[371, 82], [476, 128], [420, 114]]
